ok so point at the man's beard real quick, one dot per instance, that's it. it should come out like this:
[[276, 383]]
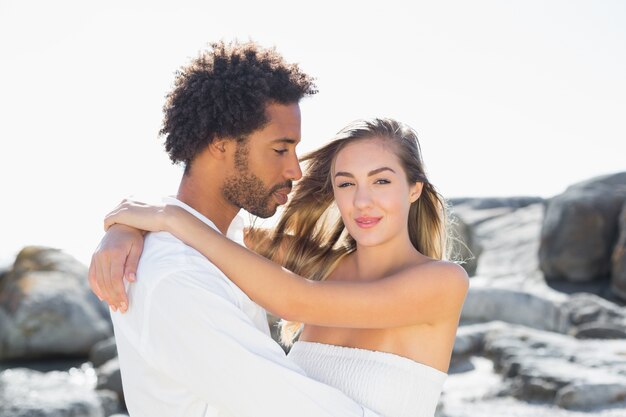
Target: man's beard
[[247, 191]]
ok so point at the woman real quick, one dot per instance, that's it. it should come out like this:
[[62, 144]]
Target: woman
[[380, 306]]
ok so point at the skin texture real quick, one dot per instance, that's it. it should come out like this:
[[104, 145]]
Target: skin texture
[[271, 156], [265, 164], [368, 185], [384, 296]]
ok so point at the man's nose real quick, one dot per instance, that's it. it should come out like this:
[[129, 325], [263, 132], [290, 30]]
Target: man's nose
[[292, 168]]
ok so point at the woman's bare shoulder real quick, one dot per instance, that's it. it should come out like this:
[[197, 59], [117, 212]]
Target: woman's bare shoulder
[[447, 274]]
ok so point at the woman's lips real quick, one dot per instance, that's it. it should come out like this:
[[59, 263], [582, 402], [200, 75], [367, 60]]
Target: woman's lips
[[366, 222]]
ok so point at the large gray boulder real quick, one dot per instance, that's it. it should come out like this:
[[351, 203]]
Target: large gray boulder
[[580, 229], [510, 243], [505, 233], [529, 308], [47, 308], [582, 315], [618, 260]]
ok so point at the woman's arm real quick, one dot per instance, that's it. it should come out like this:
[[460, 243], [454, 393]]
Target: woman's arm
[[422, 294]]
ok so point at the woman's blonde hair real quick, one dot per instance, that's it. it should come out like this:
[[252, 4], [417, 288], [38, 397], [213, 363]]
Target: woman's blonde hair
[[310, 238]]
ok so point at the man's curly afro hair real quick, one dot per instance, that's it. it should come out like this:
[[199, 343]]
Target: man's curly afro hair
[[224, 92]]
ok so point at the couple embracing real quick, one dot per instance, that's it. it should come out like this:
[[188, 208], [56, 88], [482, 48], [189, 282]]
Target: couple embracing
[[355, 267]]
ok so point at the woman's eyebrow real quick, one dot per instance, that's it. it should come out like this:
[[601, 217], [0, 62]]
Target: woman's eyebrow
[[369, 174]]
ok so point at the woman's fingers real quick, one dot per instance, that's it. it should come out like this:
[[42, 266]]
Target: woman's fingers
[[116, 282], [132, 261], [93, 279], [102, 278], [115, 258], [112, 217]]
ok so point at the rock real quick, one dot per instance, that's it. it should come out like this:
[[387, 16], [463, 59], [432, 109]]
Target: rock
[[48, 309], [580, 229], [470, 338], [465, 248], [616, 181], [535, 388], [474, 217], [483, 304], [110, 402], [600, 331], [539, 366], [439, 411], [102, 352], [586, 395], [469, 342], [508, 240], [28, 393], [110, 378], [590, 316], [5, 325], [618, 259], [584, 316], [510, 243], [487, 203]]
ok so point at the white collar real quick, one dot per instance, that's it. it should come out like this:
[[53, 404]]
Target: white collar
[[235, 230]]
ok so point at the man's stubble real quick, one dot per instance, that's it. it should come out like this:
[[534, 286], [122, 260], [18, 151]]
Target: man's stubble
[[246, 190]]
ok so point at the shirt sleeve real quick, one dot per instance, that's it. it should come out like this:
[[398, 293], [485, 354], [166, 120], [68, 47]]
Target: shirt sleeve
[[197, 336]]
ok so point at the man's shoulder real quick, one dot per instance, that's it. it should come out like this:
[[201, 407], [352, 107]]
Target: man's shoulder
[[167, 262], [163, 248]]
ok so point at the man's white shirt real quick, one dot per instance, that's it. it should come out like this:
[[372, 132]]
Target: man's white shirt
[[193, 344]]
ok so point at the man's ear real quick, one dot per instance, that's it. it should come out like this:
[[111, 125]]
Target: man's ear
[[219, 147], [415, 192]]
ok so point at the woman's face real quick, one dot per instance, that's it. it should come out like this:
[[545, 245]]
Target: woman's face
[[372, 192]]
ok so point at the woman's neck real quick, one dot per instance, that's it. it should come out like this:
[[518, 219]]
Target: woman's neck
[[373, 262]]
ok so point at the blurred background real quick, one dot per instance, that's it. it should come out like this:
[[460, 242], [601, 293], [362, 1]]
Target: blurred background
[[509, 98], [513, 102]]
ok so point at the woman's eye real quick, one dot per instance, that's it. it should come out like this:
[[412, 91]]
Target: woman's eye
[[344, 184], [281, 151], [382, 181]]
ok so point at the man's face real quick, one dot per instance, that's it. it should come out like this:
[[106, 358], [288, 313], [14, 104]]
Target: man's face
[[266, 163]]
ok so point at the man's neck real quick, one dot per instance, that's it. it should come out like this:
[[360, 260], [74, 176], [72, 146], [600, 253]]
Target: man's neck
[[206, 197]]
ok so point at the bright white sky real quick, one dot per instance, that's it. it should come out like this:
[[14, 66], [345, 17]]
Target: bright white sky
[[508, 97]]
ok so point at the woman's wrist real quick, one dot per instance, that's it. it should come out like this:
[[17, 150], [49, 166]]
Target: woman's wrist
[[169, 219]]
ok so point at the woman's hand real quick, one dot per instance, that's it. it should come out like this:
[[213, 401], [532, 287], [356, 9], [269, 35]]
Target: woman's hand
[[116, 258], [117, 255], [138, 215]]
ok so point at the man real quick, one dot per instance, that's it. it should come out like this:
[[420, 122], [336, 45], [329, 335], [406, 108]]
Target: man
[[191, 343]]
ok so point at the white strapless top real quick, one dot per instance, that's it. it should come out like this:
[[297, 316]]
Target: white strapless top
[[389, 384]]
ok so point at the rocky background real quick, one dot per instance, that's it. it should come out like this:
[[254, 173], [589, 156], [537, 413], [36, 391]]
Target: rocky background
[[543, 329]]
